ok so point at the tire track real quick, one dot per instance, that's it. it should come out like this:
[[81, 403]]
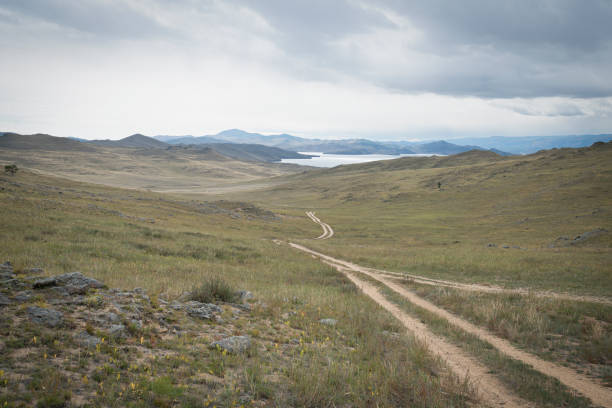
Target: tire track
[[597, 393], [328, 232], [488, 386]]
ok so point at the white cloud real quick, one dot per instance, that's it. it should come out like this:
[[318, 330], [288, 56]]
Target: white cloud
[[193, 67]]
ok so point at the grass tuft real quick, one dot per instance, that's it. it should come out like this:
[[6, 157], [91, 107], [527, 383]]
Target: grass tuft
[[214, 289]]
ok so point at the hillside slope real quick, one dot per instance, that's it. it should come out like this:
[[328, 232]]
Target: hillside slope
[[172, 168], [42, 142], [137, 140]]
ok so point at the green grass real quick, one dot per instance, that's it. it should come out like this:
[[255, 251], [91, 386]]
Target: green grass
[[214, 289], [576, 333], [107, 234], [528, 383], [392, 216]]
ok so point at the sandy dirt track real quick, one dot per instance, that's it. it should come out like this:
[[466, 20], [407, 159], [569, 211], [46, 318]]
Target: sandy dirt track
[[328, 232], [599, 394]]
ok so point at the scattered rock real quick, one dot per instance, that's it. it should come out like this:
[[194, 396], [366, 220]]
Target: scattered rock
[[244, 295], [117, 331], [44, 283], [13, 284], [23, 296], [74, 282], [587, 235], [139, 291], [176, 305], [491, 245], [4, 301], [6, 271], [505, 246], [328, 322], [234, 344], [47, 317], [201, 310], [185, 296], [136, 323], [87, 340], [33, 271], [565, 240]]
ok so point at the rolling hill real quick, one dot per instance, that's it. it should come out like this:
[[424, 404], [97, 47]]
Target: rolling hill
[[42, 142], [166, 168], [137, 140]]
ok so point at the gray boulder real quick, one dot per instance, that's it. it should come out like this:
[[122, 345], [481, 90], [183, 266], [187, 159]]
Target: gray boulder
[[244, 295], [328, 322], [6, 271], [201, 310], [117, 331], [47, 317], [87, 340], [73, 282], [4, 300], [23, 296], [34, 271], [234, 344]]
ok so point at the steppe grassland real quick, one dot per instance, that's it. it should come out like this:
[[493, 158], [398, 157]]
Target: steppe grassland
[[399, 220], [108, 233]]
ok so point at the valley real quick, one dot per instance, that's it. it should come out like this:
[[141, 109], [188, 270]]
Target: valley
[[467, 280]]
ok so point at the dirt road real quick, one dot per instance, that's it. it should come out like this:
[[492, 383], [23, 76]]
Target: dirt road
[[599, 394], [328, 232]]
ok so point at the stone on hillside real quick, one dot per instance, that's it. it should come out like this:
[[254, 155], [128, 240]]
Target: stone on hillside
[[244, 295], [87, 340], [117, 331], [23, 296], [234, 344], [201, 310], [47, 317], [34, 271], [328, 322], [4, 301], [587, 235], [12, 284], [491, 245], [44, 283], [6, 271], [184, 297], [74, 282]]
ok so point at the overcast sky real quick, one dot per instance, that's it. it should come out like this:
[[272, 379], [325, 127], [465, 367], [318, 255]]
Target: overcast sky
[[382, 69]]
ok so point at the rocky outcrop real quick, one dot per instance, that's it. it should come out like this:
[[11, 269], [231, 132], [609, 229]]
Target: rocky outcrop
[[44, 316], [72, 283], [234, 344], [201, 310]]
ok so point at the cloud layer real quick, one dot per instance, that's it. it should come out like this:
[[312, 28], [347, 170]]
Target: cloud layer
[[379, 68]]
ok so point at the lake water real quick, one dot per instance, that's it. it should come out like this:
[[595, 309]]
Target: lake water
[[332, 160]]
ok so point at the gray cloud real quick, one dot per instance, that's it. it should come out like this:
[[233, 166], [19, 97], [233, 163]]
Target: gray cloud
[[489, 49]]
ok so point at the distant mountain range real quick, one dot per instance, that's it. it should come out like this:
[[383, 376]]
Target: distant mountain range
[[532, 144], [241, 145], [341, 146], [243, 152]]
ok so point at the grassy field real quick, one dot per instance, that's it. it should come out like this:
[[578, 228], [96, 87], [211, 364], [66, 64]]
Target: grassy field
[[511, 222], [174, 169], [168, 245], [392, 215]]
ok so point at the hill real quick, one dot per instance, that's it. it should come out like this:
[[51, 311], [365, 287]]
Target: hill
[[254, 152], [531, 144], [42, 142], [141, 165], [137, 140]]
